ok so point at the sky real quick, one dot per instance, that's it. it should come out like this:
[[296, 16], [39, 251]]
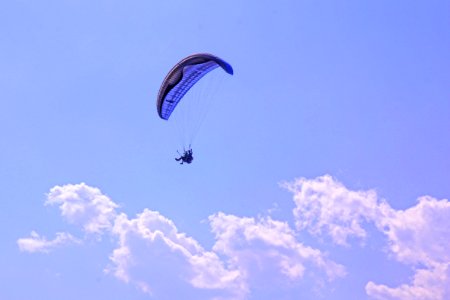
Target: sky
[[321, 169]]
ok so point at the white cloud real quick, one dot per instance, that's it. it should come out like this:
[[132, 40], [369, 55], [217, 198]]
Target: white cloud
[[418, 236], [83, 205], [153, 255], [36, 243], [427, 284], [266, 248], [325, 206]]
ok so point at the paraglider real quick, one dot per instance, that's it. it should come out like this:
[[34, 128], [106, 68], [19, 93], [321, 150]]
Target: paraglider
[[180, 79], [186, 157]]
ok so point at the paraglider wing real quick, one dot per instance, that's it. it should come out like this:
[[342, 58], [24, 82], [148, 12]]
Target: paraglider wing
[[182, 77]]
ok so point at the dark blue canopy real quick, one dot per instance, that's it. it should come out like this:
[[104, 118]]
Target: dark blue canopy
[[182, 77]]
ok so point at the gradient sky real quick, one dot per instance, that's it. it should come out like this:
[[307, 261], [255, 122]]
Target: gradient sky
[[322, 170]]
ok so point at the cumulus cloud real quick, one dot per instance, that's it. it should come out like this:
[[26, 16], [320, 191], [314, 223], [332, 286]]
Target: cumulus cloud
[[427, 284], [83, 205], [266, 246], [417, 236], [37, 243], [325, 206], [420, 234], [155, 256], [160, 260], [152, 253]]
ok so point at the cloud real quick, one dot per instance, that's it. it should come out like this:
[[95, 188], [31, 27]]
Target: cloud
[[417, 236], [156, 257], [420, 234], [264, 248], [324, 206], [427, 284], [36, 243], [153, 255], [83, 205]]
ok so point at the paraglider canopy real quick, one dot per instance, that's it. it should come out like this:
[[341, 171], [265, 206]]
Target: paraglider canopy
[[182, 77]]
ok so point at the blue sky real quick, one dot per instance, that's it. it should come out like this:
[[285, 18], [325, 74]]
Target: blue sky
[[321, 169]]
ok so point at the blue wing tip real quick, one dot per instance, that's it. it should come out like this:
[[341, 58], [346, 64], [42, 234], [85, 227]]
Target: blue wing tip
[[228, 68]]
